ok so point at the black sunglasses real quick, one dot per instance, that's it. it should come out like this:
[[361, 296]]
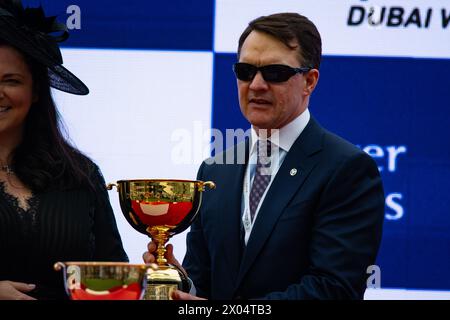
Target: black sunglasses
[[270, 73]]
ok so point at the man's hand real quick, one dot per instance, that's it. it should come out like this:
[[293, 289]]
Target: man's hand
[[149, 256], [10, 290]]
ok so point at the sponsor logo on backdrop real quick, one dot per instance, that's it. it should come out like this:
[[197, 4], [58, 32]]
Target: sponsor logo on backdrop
[[387, 159], [395, 16]]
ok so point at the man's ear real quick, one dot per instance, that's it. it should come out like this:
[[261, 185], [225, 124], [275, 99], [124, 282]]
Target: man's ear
[[311, 79]]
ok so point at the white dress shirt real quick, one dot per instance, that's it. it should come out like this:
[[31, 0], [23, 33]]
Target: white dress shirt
[[282, 141]]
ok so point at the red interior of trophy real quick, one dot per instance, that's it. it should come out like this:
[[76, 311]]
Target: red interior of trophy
[[123, 292], [161, 212]]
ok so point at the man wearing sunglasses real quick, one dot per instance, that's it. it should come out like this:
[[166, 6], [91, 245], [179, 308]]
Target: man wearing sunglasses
[[311, 226]]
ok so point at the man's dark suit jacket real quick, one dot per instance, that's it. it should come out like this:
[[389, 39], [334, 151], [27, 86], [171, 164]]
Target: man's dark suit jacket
[[315, 235]]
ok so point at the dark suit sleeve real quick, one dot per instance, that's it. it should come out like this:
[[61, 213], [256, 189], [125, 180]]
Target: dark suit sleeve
[[197, 261], [346, 234]]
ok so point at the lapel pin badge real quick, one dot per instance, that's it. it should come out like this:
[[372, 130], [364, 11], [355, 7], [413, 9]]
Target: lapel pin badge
[[293, 172]]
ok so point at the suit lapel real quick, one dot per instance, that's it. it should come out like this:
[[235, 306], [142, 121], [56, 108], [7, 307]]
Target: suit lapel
[[230, 220], [283, 188]]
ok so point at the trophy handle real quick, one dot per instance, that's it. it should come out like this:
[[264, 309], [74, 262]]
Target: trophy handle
[[211, 185], [110, 186], [59, 266]]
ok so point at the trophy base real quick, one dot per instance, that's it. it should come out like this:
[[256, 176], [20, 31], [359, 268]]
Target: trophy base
[[162, 282], [160, 291]]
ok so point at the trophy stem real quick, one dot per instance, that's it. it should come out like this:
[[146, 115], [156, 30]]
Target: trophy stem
[[160, 235], [163, 281]]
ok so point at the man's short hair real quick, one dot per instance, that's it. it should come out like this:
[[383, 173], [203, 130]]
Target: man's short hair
[[290, 28]]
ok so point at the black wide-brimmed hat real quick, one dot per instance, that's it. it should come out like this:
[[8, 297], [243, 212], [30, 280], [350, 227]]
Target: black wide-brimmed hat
[[37, 36]]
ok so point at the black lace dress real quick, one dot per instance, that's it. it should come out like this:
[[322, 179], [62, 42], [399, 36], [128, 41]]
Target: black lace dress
[[70, 225]]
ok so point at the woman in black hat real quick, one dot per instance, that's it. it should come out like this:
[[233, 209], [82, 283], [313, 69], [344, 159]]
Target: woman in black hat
[[53, 201]]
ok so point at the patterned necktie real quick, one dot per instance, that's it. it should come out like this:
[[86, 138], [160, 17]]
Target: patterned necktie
[[262, 174]]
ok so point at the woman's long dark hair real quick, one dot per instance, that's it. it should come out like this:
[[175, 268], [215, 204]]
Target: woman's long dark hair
[[44, 159]]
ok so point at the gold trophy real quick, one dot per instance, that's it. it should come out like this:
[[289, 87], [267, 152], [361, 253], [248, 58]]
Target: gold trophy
[[160, 209], [103, 280]]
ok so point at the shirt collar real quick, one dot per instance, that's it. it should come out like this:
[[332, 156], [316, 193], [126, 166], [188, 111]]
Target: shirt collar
[[287, 134]]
